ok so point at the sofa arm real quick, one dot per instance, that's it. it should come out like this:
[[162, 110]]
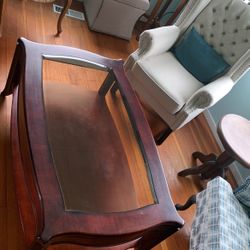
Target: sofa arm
[[220, 220], [209, 94], [157, 41]]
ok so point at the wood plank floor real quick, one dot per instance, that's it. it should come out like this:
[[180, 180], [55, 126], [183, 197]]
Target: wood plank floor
[[37, 22]]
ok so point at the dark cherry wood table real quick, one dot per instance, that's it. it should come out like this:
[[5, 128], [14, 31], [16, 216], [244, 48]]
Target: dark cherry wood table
[[81, 158], [234, 133]]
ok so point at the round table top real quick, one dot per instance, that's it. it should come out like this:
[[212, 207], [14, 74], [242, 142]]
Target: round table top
[[234, 132]]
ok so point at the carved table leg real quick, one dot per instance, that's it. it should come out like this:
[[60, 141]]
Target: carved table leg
[[59, 22], [222, 163], [191, 200], [211, 166], [203, 158]]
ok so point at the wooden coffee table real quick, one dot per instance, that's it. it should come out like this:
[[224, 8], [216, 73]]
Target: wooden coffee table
[[73, 163]]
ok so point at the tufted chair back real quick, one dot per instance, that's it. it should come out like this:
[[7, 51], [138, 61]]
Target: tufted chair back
[[165, 85], [226, 26]]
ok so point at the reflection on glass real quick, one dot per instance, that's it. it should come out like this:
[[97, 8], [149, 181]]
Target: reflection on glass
[[97, 159]]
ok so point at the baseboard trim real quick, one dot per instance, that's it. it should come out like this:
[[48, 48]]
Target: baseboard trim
[[233, 167]]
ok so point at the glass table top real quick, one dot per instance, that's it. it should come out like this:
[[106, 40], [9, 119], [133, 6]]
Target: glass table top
[[99, 164]]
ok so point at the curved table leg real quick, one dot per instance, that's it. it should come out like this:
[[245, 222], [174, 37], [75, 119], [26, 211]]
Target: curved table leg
[[59, 22], [191, 200], [203, 158], [205, 167], [210, 168]]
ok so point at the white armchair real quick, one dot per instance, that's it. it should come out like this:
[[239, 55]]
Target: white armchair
[[166, 86]]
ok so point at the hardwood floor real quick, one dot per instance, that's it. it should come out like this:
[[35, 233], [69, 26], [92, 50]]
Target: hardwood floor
[[37, 22]]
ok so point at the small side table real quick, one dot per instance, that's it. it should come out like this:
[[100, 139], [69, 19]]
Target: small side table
[[234, 133]]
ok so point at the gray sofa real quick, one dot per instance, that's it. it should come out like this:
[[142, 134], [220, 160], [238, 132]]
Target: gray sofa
[[114, 17]]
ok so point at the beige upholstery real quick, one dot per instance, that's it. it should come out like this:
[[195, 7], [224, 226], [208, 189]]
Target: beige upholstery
[[161, 82], [167, 86], [114, 17]]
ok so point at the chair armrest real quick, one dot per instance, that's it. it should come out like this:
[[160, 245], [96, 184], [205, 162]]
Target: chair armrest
[[157, 41], [209, 94], [202, 99]]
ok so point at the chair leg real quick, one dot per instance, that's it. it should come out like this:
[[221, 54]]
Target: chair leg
[[162, 136], [191, 200], [208, 165], [159, 127]]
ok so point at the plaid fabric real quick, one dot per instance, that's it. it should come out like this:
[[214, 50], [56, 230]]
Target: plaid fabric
[[220, 223], [242, 193]]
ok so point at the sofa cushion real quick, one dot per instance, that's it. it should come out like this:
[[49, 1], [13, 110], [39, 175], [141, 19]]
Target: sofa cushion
[[242, 193], [166, 80], [220, 221], [199, 58]]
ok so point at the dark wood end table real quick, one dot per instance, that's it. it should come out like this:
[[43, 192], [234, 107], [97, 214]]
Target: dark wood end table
[[234, 133]]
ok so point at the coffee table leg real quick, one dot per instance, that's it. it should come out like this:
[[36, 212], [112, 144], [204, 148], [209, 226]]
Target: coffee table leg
[[59, 22], [108, 82]]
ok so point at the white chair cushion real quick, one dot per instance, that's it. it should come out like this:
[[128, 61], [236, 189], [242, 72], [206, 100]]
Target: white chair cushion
[[166, 80]]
